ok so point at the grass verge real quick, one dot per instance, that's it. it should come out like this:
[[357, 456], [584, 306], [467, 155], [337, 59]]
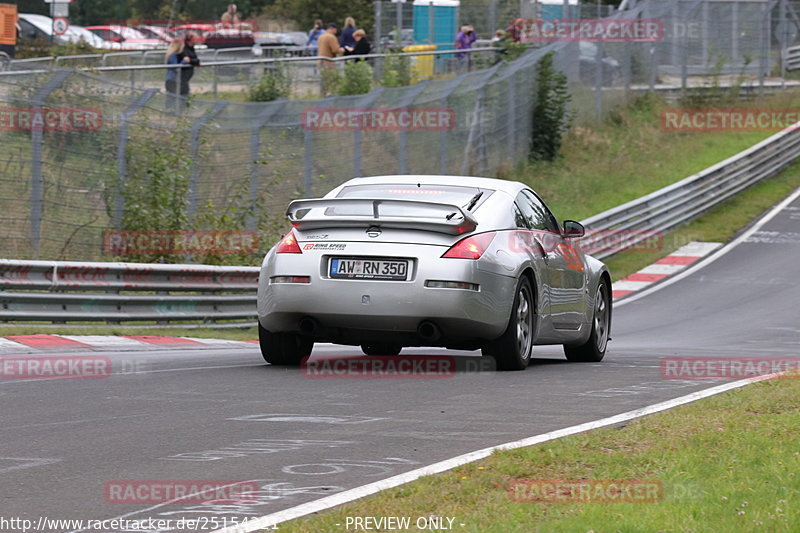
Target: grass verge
[[726, 463]]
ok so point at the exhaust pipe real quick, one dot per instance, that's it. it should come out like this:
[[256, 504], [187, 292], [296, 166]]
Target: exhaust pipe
[[429, 331], [308, 326]]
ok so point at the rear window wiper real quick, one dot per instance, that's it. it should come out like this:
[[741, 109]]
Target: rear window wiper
[[474, 201]]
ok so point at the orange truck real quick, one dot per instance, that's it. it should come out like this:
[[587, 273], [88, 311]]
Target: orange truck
[[8, 32]]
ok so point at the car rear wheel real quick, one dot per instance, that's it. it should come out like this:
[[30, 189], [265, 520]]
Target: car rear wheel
[[286, 349], [593, 350], [385, 348], [512, 351]]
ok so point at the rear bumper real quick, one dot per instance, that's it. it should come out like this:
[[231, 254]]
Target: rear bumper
[[357, 311]]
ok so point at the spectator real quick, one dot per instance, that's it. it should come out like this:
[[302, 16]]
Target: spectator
[[188, 55], [313, 37], [499, 37], [230, 17], [328, 44], [362, 46], [515, 30], [465, 37], [173, 57], [349, 29], [464, 40]]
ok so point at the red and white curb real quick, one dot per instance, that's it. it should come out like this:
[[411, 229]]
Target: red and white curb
[[675, 262], [34, 343]]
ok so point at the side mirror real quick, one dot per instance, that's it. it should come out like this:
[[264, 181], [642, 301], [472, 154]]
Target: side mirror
[[573, 229]]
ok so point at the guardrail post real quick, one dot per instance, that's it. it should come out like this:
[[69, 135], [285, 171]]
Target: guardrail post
[[122, 163], [37, 149], [194, 146]]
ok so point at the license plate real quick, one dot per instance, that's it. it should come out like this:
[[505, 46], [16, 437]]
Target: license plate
[[360, 268]]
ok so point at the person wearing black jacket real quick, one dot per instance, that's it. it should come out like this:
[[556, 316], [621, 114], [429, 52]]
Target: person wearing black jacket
[[362, 47], [190, 39]]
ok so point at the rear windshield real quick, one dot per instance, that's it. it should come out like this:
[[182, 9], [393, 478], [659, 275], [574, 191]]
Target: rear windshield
[[440, 194]]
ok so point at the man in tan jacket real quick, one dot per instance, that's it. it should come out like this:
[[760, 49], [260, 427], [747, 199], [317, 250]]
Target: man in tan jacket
[[328, 44]]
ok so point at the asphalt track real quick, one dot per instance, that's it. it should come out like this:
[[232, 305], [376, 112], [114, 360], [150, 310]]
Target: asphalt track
[[224, 415]]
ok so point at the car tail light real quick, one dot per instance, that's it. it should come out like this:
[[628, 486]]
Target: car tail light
[[288, 245], [471, 247]]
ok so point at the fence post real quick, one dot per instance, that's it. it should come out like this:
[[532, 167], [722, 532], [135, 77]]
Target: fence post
[[194, 147], [255, 154], [122, 144], [598, 82], [37, 148], [308, 163], [511, 119], [378, 25]]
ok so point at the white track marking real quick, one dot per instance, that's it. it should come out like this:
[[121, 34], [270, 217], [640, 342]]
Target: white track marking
[[104, 341], [661, 269], [696, 249], [624, 285], [347, 496], [720, 252], [6, 345]]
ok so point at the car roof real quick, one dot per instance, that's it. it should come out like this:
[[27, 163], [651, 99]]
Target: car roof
[[510, 187], [40, 21]]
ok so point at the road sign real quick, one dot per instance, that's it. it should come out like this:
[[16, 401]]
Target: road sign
[[60, 25], [60, 9]]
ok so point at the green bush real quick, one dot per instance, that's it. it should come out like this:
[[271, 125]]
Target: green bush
[[274, 84], [551, 118], [396, 71], [357, 78]]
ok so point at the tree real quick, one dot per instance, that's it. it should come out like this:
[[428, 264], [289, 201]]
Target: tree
[[551, 118], [305, 12]]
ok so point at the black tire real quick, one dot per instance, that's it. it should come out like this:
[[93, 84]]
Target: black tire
[[593, 350], [384, 348], [512, 351], [286, 349]]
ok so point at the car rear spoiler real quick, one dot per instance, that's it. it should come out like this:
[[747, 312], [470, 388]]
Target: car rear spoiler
[[321, 213]]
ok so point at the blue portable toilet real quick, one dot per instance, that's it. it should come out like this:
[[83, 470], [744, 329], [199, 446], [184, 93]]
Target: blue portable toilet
[[554, 9], [445, 22]]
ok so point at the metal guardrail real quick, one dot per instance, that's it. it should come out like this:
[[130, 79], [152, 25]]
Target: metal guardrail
[[59, 291], [792, 58], [55, 291]]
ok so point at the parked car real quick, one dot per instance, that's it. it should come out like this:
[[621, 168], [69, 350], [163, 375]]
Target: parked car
[[128, 38], [156, 32], [200, 29], [236, 36], [33, 27], [458, 262], [79, 33]]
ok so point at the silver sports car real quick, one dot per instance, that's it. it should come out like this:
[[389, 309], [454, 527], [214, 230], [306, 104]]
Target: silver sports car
[[451, 261]]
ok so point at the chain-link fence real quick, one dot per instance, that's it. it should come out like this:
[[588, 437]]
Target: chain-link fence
[[73, 141]]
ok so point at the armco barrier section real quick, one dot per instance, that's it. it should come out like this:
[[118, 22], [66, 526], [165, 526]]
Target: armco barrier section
[[56, 291], [72, 291]]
